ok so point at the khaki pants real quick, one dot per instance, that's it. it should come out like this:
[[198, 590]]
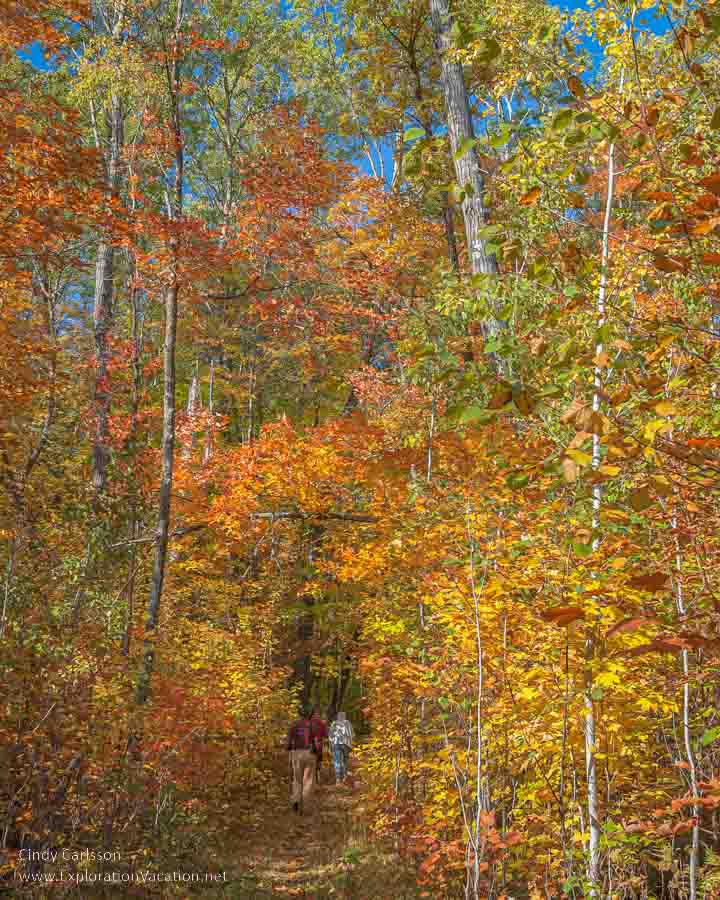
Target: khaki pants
[[303, 764]]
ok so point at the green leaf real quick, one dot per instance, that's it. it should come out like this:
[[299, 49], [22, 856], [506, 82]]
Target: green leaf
[[413, 133], [458, 194], [562, 119], [516, 481], [465, 147], [711, 735], [490, 50], [500, 138], [475, 414], [597, 693], [488, 232]]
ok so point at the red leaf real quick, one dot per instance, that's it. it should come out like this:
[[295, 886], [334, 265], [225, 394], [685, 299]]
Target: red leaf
[[680, 642], [684, 827], [653, 582], [668, 263], [632, 624], [712, 183], [563, 615], [638, 651]]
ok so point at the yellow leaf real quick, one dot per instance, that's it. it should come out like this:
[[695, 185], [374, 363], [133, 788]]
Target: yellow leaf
[[579, 456], [666, 408], [662, 485], [655, 427]]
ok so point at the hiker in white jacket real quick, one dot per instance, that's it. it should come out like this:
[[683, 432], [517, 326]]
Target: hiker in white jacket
[[341, 740]]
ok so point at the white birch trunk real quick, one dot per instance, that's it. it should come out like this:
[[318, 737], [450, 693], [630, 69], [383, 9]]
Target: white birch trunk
[[593, 872]]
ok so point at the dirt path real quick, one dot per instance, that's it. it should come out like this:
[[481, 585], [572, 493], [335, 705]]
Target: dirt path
[[302, 856], [322, 854]]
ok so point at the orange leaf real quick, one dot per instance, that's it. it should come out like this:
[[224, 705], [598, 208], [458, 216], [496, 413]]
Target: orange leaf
[[570, 469], [572, 411], [683, 827], [631, 624], [704, 227], [563, 615], [639, 651], [532, 197], [653, 582], [576, 87], [668, 263], [712, 183], [652, 116], [602, 360]]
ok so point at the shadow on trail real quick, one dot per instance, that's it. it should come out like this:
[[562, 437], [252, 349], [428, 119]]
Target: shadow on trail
[[324, 853]]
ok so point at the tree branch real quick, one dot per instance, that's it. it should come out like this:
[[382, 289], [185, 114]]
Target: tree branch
[[297, 514]]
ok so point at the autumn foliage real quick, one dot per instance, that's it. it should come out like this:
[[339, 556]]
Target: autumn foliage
[[476, 509]]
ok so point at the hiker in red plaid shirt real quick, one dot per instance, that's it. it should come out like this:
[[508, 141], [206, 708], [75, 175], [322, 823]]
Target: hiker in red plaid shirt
[[304, 744]]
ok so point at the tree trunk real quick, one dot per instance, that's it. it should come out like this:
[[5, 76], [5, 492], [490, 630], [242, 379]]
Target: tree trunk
[[594, 826], [687, 730], [448, 219], [168, 438], [193, 402], [103, 305], [343, 681], [207, 452], [460, 130]]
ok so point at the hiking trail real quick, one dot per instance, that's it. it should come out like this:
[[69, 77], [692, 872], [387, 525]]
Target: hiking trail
[[324, 853]]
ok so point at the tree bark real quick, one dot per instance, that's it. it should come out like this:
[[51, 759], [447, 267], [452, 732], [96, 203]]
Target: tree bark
[[103, 304], [207, 452], [448, 219], [594, 825], [467, 166], [168, 438], [687, 731]]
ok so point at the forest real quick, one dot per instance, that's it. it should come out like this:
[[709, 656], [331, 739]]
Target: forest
[[361, 354]]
